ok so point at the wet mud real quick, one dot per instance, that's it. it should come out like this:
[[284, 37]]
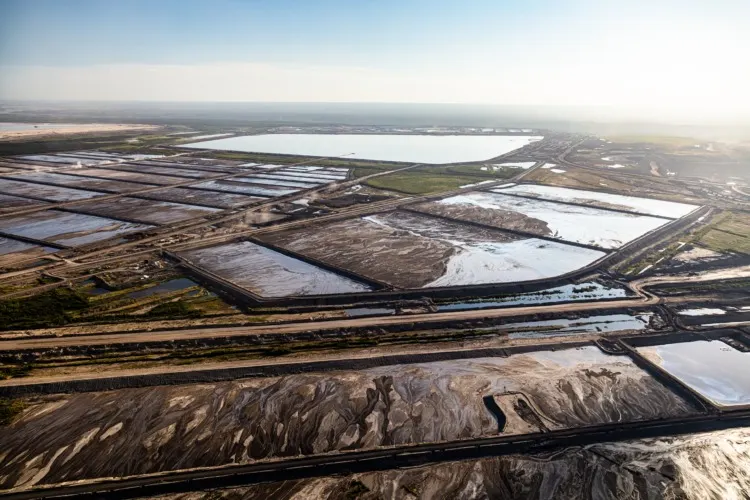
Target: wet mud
[[708, 466], [67, 437], [148, 211]]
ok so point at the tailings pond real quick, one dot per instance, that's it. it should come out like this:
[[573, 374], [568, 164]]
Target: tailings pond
[[712, 368], [44, 192], [269, 273], [410, 250], [67, 228], [401, 148], [648, 206], [578, 224], [154, 429]]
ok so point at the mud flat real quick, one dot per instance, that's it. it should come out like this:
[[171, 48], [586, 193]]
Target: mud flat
[[257, 179], [314, 178], [584, 325], [148, 211], [401, 258], [67, 228], [63, 160], [269, 273], [412, 251], [712, 368], [40, 191], [591, 226], [74, 181], [12, 251], [190, 163], [177, 172], [162, 428], [567, 293], [9, 203], [702, 466], [523, 260], [244, 188], [126, 176], [471, 209], [199, 197], [658, 208], [402, 148]]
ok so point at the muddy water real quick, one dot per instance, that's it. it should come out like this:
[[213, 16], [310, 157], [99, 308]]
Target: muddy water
[[269, 273], [581, 291], [410, 251], [60, 159], [211, 198], [514, 261], [67, 228], [8, 246], [64, 437], [578, 224], [244, 188], [308, 177], [707, 466], [166, 287], [10, 203], [274, 182], [486, 256], [591, 324], [49, 193], [714, 369], [148, 211], [127, 176], [177, 172], [658, 208], [81, 182], [373, 249]]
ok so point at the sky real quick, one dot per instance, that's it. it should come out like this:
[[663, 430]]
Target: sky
[[650, 56]]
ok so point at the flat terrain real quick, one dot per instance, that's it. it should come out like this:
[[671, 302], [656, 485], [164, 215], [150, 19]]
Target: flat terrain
[[69, 129]]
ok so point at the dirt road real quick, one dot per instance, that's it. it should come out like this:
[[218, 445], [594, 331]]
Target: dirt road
[[289, 328]]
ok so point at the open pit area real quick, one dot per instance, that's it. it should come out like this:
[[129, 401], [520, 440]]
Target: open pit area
[[409, 250], [449, 312], [695, 466], [165, 428]]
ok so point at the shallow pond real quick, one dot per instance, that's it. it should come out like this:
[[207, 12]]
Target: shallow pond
[[401, 148], [269, 273], [659, 208], [712, 368]]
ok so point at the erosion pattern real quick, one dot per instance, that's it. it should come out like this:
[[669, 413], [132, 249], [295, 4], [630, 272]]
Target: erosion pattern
[[270, 273], [400, 248], [504, 219], [711, 466], [65, 437]]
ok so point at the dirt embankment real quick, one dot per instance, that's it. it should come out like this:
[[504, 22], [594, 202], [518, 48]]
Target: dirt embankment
[[396, 257], [166, 427], [504, 219]]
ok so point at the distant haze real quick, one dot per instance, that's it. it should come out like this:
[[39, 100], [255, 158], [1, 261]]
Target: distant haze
[[667, 60]]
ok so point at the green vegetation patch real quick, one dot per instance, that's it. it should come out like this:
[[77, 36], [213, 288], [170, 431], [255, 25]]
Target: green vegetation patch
[[52, 308], [490, 172], [177, 309], [9, 410], [420, 182], [723, 241]]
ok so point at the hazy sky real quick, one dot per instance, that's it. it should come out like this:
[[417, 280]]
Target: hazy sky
[[688, 56]]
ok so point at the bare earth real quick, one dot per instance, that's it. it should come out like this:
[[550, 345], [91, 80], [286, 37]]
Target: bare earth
[[88, 128]]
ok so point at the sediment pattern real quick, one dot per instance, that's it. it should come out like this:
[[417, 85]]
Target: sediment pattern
[[133, 431]]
